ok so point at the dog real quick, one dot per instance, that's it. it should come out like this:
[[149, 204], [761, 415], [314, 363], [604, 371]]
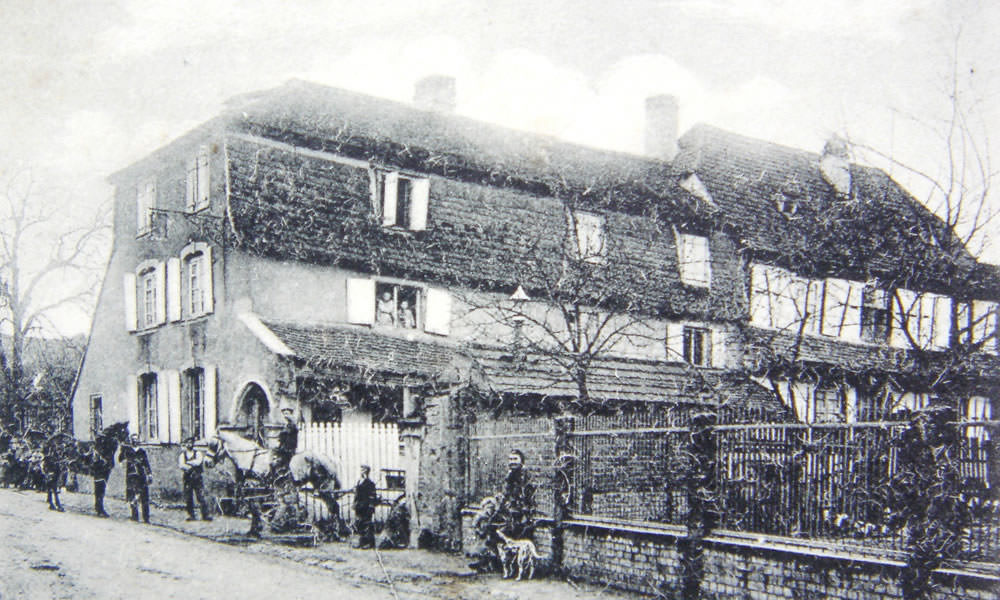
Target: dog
[[521, 554]]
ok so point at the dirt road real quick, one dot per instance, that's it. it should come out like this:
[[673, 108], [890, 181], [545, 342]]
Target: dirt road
[[46, 554]]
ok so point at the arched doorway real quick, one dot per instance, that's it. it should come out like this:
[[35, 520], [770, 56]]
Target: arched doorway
[[253, 410]]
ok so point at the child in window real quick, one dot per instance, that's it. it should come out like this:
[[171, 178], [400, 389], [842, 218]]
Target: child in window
[[407, 318]]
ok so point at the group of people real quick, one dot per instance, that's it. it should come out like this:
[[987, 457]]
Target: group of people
[[511, 512]]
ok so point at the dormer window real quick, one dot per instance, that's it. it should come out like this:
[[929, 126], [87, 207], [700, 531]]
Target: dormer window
[[786, 205], [401, 200], [588, 229], [694, 260]]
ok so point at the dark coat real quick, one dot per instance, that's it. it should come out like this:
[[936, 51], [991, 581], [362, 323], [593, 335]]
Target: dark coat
[[136, 463], [365, 498]]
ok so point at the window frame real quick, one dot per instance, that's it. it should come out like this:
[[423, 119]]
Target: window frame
[[193, 405], [586, 227], [148, 406], [419, 310], [148, 296], [410, 214], [198, 195], [690, 274], [828, 396], [690, 342], [96, 405]]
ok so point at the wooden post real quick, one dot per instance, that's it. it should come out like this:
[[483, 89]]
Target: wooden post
[[562, 485]]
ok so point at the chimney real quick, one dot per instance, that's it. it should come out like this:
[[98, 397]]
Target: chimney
[[835, 165], [661, 127], [436, 93]]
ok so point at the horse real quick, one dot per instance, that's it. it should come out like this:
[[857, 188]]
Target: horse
[[254, 462], [63, 454]]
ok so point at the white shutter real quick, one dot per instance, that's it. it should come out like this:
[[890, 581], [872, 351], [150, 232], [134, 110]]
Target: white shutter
[[438, 316], [852, 311], [418, 204], [132, 403], [942, 321], [720, 337], [904, 318], [675, 342], [162, 408], [204, 182], [161, 294], [851, 404], [805, 405], [361, 301], [389, 198], [208, 280], [834, 305], [984, 325], [174, 289], [760, 298], [174, 405], [130, 297], [192, 186], [211, 408]]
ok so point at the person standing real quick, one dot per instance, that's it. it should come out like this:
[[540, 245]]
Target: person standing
[[517, 507], [288, 443], [138, 476], [365, 500], [192, 463]]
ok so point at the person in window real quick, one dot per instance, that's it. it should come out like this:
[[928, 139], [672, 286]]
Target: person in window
[[407, 317], [138, 476], [192, 464], [385, 310]]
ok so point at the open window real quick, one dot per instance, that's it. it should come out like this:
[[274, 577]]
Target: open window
[[398, 306], [401, 200], [697, 343], [874, 314]]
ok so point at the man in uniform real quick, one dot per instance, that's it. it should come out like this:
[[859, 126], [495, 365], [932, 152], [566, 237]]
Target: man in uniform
[[365, 500], [138, 476], [192, 463]]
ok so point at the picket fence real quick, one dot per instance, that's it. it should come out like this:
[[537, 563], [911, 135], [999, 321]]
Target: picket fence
[[352, 445]]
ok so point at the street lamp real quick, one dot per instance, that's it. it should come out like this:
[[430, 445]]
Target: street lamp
[[519, 298]]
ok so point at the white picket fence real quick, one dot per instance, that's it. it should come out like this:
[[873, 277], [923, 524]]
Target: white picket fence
[[353, 445]]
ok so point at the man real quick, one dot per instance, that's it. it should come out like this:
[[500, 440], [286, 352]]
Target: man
[[288, 442], [518, 505], [192, 463], [138, 476], [365, 500]]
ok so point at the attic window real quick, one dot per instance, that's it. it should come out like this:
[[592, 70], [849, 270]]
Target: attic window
[[786, 205], [588, 229], [401, 200], [694, 260]]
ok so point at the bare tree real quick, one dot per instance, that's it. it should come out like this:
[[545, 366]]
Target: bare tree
[[45, 266]]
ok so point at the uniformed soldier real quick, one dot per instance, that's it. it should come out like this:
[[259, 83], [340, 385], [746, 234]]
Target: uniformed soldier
[[365, 500], [138, 476]]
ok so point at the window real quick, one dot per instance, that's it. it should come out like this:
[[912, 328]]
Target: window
[[780, 300], [197, 273], [697, 346], [145, 202], [829, 405], [694, 260], [588, 229], [842, 309], [198, 182], [978, 408], [401, 200], [96, 414], [398, 306], [924, 318], [149, 423], [874, 314], [977, 324], [147, 295], [193, 404]]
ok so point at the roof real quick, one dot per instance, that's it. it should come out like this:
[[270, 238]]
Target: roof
[[864, 235], [362, 354]]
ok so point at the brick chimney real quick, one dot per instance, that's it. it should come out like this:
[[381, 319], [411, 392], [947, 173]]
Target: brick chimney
[[436, 93], [661, 127]]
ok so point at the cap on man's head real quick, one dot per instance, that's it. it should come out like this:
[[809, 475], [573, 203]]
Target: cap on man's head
[[287, 410]]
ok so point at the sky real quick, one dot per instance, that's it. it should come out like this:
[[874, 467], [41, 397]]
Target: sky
[[90, 87]]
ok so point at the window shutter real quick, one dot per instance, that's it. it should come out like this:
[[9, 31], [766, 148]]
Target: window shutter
[[675, 342], [192, 186], [174, 289], [719, 345], [904, 317], [208, 280], [852, 311], [162, 408], [140, 209], [834, 305], [438, 316], [361, 301], [173, 379], [942, 321], [850, 404], [211, 418], [161, 294], [804, 400], [132, 403], [204, 181], [130, 297], [418, 204], [984, 325], [760, 300], [389, 198]]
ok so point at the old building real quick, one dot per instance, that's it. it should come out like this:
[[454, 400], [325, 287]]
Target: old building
[[365, 261]]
